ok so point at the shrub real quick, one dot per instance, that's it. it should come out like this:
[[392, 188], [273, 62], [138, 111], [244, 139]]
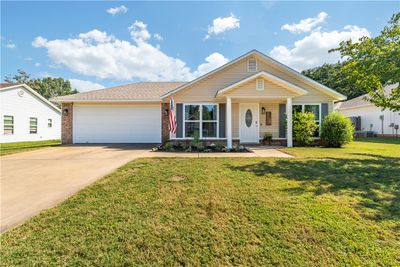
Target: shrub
[[304, 127], [337, 130]]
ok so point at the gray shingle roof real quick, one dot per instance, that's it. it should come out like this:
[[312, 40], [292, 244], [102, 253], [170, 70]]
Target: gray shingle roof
[[360, 100], [142, 91]]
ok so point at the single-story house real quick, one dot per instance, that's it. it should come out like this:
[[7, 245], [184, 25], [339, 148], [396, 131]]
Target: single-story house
[[368, 117], [237, 102], [26, 115]]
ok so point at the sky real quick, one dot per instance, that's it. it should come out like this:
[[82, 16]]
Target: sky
[[102, 44]]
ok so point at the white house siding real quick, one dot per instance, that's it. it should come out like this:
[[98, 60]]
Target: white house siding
[[370, 115], [22, 108]]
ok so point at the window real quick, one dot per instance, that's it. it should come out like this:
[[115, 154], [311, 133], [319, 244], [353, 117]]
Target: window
[[260, 84], [8, 124], [32, 125], [313, 108], [49, 123], [201, 120], [252, 65], [268, 118]]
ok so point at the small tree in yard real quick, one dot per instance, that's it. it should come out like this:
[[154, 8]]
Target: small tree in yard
[[304, 127], [337, 130]]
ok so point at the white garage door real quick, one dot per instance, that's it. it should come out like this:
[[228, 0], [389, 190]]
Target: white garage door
[[117, 124]]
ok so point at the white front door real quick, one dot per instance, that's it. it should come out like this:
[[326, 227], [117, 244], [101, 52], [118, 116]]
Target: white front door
[[249, 123]]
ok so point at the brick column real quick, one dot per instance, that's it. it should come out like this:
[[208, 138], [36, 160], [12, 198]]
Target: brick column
[[66, 123], [164, 122]]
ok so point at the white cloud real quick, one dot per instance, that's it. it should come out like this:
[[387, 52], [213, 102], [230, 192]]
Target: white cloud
[[10, 45], [312, 50], [139, 32], [84, 86], [97, 36], [28, 59], [158, 37], [37, 64], [213, 61], [306, 25], [221, 25], [101, 55], [115, 10]]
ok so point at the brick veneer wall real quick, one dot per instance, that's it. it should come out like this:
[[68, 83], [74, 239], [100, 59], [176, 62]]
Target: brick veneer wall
[[164, 122], [66, 123]]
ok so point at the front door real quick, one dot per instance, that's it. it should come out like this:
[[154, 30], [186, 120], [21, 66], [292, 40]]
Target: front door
[[249, 123]]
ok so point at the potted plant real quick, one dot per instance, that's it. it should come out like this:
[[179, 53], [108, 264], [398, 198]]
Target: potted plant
[[267, 139]]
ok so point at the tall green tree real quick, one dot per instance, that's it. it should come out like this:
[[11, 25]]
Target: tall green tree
[[331, 75], [52, 87], [373, 63], [48, 87]]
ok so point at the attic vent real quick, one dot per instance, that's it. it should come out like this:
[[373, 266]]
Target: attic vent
[[260, 84], [252, 65]]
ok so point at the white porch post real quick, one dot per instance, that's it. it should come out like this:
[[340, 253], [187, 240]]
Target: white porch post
[[229, 122], [289, 134]]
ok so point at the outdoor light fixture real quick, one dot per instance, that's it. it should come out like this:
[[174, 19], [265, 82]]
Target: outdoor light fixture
[[262, 110], [166, 112], [65, 112]]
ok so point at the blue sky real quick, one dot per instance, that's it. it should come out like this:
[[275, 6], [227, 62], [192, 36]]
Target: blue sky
[[95, 46]]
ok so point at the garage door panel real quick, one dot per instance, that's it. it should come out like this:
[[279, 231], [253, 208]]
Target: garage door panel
[[117, 124]]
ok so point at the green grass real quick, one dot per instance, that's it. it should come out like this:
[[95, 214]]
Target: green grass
[[12, 148], [339, 209]]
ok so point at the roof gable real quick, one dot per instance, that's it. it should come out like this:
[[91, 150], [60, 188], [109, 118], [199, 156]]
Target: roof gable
[[34, 93], [282, 68]]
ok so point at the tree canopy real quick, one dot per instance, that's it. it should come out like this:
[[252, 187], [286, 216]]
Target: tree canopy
[[48, 87], [373, 63]]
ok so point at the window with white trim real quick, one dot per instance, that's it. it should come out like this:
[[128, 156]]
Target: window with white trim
[[8, 124], [313, 108], [260, 84], [201, 120], [252, 65], [32, 125]]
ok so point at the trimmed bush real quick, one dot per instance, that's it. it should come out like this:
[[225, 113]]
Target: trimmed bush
[[337, 130], [304, 127]]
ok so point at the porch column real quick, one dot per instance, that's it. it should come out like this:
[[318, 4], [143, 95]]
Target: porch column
[[229, 122], [289, 134]]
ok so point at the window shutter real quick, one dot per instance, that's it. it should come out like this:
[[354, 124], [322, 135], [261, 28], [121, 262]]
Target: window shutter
[[282, 122], [324, 110], [260, 84], [179, 120], [252, 65], [222, 114]]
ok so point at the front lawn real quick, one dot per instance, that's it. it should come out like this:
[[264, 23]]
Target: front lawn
[[16, 147], [309, 211]]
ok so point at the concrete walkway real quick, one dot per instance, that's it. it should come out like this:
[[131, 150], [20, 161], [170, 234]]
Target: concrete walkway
[[36, 180]]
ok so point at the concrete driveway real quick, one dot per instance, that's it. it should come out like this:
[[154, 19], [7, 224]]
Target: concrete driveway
[[37, 180]]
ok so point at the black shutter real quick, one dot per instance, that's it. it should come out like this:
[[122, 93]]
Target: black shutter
[[222, 117], [179, 120], [324, 110], [282, 121]]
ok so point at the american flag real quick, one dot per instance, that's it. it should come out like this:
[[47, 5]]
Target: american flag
[[172, 118]]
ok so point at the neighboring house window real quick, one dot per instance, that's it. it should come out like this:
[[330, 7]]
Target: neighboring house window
[[49, 123], [260, 84], [32, 125], [201, 120], [252, 65], [313, 108], [8, 124]]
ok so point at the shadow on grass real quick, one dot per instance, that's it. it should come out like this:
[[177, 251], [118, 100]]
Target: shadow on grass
[[375, 181]]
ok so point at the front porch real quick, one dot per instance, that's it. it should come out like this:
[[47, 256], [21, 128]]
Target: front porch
[[248, 120]]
